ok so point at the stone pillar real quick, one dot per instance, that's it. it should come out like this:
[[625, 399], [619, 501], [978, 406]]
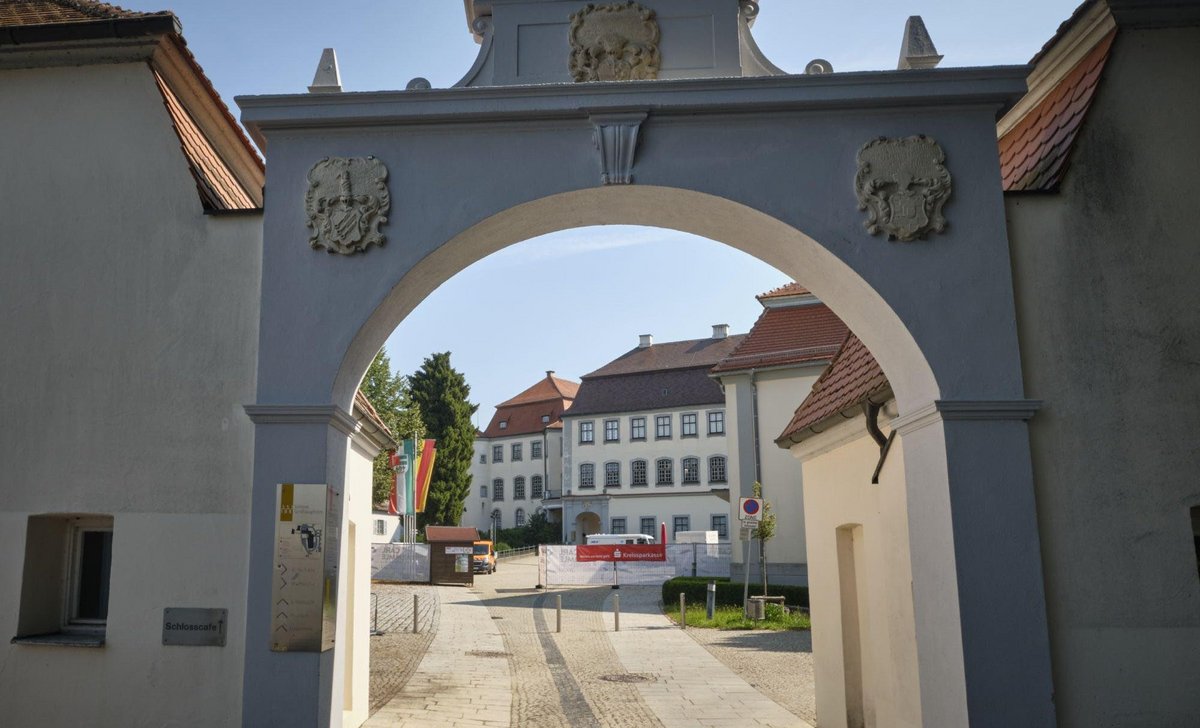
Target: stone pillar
[[983, 649], [292, 444]]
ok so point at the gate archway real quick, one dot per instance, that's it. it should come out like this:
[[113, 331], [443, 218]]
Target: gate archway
[[766, 165]]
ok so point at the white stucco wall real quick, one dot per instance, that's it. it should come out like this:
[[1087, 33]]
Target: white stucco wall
[[1105, 276], [354, 596], [780, 391], [129, 347], [478, 510], [838, 493]]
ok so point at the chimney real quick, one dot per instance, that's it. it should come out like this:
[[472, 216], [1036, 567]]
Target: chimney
[[645, 341], [549, 372], [720, 331]]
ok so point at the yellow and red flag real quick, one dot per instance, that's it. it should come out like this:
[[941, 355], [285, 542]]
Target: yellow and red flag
[[424, 473]]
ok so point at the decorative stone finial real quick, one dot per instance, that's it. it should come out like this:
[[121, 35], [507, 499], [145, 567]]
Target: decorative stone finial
[[818, 67], [902, 184], [327, 79], [418, 84], [917, 50], [614, 42]]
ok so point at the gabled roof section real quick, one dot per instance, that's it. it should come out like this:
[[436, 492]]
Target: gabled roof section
[[794, 328], [670, 355], [43, 12], [852, 378], [538, 408], [44, 33], [1038, 134], [551, 387]]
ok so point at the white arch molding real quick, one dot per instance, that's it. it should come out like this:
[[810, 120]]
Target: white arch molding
[[765, 165]]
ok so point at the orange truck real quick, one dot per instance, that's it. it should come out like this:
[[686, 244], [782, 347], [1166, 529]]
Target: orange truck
[[484, 557]]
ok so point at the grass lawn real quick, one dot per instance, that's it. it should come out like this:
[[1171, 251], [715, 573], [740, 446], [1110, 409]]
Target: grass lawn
[[732, 618]]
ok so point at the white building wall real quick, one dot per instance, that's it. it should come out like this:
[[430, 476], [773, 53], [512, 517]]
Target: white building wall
[[125, 372], [478, 508], [700, 502], [354, 594], [838, 494]]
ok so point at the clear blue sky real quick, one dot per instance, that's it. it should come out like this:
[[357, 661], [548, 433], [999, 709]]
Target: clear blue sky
[[577, 299]]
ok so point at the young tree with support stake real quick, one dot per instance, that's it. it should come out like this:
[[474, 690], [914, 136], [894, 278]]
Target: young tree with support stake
[[441, 394], [765, 532]]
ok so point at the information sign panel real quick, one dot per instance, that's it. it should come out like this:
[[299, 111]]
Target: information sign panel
[[304, 582], [459, 550]]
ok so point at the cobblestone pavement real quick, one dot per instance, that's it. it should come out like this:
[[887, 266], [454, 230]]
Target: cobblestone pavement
[[462, 679], [578, 677], [779, 664], [396, 653]]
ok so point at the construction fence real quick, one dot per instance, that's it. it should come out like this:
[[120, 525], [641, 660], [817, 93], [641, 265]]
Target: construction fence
[[400, 562], [557, 566]]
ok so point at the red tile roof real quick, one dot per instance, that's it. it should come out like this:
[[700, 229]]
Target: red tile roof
[[787, 335], [43, 12], [1034, 153], [364, 405], [538, 408], [852, 378], [789, 289], [670, 355], [219, 188], [551, 387]]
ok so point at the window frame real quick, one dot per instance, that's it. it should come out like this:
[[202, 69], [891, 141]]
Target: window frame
[[715, 416], [517, 453], [683, 470], [653, 526], [535, 449], [662, 423], [683, 424], [71, 621], [498, 490], [675, 529], [633, 479], [519, 518], [519, 488], [712, 461], [537, 488], [635, 424], [659, 481], [612, 427], [723, 531], [591, 469], [587, 432], [612, 467], [621, 529], [497, 453]]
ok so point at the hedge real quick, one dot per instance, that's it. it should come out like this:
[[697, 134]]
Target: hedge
[[729, 593]]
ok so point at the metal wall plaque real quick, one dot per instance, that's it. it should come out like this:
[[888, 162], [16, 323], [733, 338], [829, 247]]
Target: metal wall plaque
[[304, 583], [194, 627]]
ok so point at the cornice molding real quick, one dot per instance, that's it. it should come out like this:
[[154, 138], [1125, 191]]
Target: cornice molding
[[966, 409], [303, 414], [994, 86]]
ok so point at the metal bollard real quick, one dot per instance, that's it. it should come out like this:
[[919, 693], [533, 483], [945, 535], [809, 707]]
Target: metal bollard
[[617, 612], [711, 605], [558, 612], [682, 610], [415, 604]]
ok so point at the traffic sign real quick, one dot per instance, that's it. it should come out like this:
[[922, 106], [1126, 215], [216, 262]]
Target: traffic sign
[[746, 533], [750, 509]]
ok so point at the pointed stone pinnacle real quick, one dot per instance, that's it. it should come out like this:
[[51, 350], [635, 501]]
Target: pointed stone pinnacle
[[327, 79], [917, 49]]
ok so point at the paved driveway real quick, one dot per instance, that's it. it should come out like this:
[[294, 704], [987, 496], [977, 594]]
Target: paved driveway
[[497, 661]]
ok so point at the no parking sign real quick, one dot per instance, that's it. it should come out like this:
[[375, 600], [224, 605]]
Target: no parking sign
[[750, 509]]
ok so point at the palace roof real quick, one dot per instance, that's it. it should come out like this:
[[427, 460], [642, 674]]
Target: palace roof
[[853, 377]]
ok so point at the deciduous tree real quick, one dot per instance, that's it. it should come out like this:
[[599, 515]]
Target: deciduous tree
[[389, 394]]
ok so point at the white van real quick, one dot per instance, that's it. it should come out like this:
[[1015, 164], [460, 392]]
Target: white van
[[619, 538]]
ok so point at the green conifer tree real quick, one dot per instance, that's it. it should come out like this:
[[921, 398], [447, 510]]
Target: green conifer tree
[[441, 394]]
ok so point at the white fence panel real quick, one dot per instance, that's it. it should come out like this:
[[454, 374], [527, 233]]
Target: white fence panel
[[557, 566], [400, 562]]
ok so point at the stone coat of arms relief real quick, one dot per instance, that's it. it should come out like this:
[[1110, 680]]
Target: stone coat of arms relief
[[346, 202], [614, 42], [902, 184]]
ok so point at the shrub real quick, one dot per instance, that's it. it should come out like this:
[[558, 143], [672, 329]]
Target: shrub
[[729, 593]]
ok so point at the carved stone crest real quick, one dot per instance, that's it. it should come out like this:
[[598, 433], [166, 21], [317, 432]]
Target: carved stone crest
[[614, 42], [346, 202], [902, 184]]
